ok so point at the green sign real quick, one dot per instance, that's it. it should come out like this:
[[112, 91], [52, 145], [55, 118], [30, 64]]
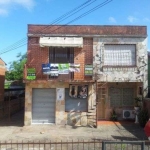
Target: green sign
[[31, 74], [63, 68], [88, 70]]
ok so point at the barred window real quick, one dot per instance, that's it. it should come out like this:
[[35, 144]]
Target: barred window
[[61, 55], [120, 55]]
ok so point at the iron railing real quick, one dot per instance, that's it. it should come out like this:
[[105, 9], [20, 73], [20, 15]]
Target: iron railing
[[52, 145], [126, 145], [76, 145]]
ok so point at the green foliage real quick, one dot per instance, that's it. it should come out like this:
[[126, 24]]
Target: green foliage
[[16, 68], [7, 85], [143, 117], [113, 116]]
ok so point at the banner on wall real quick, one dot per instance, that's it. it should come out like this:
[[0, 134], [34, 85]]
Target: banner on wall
[[88, 70], [63, 68], [74, 67], [60, 94], [54, 70], [31, 74], [46, 68]]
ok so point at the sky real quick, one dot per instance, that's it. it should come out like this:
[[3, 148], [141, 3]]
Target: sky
[[15, 15]]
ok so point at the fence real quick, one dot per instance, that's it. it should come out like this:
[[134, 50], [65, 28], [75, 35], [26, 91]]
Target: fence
[[76, 145], [126, 145], [52, 145], [7, 108], [14, 102]]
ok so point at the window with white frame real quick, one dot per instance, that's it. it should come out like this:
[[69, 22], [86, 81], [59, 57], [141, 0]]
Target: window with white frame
[[119, 55]]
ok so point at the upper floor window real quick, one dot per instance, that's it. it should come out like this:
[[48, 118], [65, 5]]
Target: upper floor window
[[61, 55], [119, 55]]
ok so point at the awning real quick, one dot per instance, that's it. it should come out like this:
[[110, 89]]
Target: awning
[[61, 41]]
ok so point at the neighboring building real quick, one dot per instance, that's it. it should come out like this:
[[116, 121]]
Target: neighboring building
[[2, 78], [117, 55], [148, 74], [120, 65]]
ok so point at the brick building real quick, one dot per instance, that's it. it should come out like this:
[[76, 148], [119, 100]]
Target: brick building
[[72, 71], [2, 78]]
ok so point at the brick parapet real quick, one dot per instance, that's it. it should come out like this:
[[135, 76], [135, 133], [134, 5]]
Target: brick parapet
[[88, 30]]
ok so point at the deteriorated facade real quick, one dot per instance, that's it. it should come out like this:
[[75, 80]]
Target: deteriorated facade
[[117, 56]]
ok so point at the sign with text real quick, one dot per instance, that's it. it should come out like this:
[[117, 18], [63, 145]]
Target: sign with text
[[88, 70], [46, 68], [74, 67], [63, 68], [54, 70], [31, 74]]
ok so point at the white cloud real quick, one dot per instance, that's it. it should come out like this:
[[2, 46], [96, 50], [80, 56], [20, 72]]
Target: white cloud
[[112, 20], [146, 19], [132, 19], [6, 5], [29, 4], [3, 12]]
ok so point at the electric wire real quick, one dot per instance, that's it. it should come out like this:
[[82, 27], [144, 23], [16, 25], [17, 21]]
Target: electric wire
[[77, 18], [84, 14], [70, 13]]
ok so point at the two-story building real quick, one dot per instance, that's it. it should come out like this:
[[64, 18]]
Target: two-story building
[[77, 74]]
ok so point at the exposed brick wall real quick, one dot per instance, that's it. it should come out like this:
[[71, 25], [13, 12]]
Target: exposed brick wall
[[88, 30], [88, 49], [37, 56], [79, 58]]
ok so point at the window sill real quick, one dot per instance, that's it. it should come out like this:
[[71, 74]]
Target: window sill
[[76, 111], [119, 66]]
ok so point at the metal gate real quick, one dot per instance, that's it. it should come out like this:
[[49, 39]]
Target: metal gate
[[43, 106]]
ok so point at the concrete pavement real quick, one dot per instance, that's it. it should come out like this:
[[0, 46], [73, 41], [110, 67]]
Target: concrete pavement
[[14, 130]]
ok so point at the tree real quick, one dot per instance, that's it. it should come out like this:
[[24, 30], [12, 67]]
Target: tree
[[16, 68]]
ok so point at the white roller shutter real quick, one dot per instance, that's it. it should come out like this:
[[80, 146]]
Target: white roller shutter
[[43, 106]]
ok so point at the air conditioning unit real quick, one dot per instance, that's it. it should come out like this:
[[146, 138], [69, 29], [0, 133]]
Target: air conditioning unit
[[128, 114]]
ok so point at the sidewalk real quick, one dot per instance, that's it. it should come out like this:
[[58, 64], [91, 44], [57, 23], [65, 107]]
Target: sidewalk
[[106, 130]]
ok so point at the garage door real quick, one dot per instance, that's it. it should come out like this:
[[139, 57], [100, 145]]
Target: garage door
[[43, 106]]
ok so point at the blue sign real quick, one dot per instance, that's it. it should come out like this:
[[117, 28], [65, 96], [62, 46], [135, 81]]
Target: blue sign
[[46, 69]]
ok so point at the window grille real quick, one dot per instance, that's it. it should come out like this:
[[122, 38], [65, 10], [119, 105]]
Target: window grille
[[119, 55]]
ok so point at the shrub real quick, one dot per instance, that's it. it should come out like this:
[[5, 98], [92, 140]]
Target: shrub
[[113, 116]]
